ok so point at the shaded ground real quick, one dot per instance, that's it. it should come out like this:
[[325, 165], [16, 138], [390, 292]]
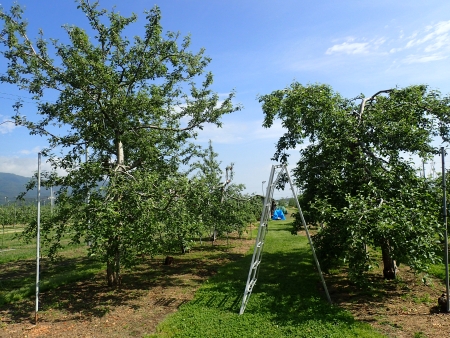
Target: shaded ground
[[403, 308], [406, 307], [90, 309]]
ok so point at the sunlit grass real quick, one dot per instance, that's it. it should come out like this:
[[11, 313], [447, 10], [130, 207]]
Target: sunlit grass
[[18, 267], [286, 301]]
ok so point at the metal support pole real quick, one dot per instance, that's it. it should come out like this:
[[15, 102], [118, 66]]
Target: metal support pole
[[38, 237], [444, 213], [88, 197], [51, 200]]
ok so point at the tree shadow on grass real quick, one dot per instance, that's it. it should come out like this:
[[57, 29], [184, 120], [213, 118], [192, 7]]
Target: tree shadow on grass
[[288, 290], [89, 296]]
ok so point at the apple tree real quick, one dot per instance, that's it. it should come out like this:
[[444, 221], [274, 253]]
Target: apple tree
[[355, 171], [121, 125]]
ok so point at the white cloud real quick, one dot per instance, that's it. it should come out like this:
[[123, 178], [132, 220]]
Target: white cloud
[[378, 42], [442, 27], [430, 43], [440, 42], [35, 150], [234, 132], [433, 37], [7, 126], [410, 59], [352, 47], [23, 166], [349, 48]]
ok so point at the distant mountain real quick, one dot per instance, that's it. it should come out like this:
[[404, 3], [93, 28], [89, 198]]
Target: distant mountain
[[12, 185]]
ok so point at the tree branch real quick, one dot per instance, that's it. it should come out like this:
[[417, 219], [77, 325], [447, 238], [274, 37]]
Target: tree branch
[[369, 99]]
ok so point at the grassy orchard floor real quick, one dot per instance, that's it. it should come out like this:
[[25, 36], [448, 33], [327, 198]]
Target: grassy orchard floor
[[82, 305], [286, 301], [203, 291], [18, 267]]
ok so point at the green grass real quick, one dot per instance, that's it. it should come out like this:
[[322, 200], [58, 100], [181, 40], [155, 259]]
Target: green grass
[[14, 249], [18, 268], [437, 270], [285, 302]]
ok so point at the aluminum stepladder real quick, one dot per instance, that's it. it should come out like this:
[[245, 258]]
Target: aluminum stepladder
[[262, 231]]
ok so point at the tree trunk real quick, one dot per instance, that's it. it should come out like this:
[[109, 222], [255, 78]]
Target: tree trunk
[[213, 235], [113, 276], [389, 264], [113, 260], [119, 151]]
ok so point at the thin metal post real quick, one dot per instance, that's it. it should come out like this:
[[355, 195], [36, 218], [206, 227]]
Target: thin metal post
[[444, 212], [51, 200], [88, 197], [38, 237]]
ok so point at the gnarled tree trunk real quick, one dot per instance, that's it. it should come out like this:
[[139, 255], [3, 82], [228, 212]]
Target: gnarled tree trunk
[[389, 264]]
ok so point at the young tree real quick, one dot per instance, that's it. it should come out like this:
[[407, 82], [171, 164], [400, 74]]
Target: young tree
[[225, 207], [353, 172], [129, 107]]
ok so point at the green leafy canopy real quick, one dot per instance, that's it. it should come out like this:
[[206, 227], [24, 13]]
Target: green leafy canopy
[[354, 172], [120, 127]]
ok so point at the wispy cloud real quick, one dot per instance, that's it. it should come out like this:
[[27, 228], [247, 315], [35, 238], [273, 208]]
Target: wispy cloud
[[410, 59], [432, 43], [354, 47], [234, 132], [34, 150], [433, 36], [349, 48], [23, 166], [374, 53], [6, 125]]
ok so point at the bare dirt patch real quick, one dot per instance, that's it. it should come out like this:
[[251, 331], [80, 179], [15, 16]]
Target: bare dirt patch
[[148, 294], [406, 307]]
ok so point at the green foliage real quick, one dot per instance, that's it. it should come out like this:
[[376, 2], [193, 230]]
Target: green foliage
[[130, 108], [224, 208], [292, 203], [353, 174], [285, 301]]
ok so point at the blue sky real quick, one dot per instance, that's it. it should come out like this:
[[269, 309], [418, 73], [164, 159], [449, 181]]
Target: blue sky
[[260, 46]]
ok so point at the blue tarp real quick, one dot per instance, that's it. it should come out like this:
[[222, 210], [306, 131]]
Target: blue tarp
[[278, 215]]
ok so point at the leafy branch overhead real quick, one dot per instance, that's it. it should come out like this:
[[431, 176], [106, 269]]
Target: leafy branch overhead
[[111, 88]]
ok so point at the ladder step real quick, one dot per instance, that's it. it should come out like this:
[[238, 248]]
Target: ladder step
[[255, 265], [259, 244]]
